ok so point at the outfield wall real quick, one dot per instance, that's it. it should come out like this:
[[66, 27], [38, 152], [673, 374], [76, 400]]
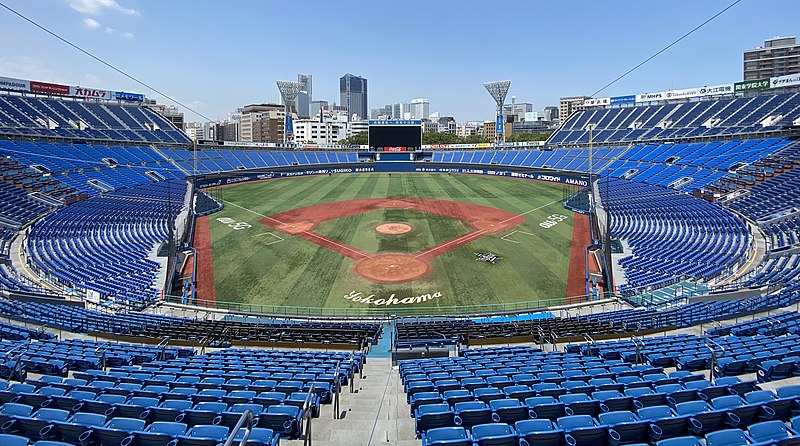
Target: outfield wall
[[226, 178]]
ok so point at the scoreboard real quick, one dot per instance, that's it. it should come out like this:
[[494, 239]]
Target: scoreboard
[[395, 135]]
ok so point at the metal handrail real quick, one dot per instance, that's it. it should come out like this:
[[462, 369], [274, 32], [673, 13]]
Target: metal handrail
[[541, 336], [336, 391], [772, 323], [589, 339], [204, 341], [639, 344], [102, 349], [307, 415], [19, 350], [163, 344], [351, 375], [247, 417], [714, 347]]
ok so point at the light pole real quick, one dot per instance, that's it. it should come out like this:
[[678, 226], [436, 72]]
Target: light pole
[[591, 127], [498, 90], [289, 91]]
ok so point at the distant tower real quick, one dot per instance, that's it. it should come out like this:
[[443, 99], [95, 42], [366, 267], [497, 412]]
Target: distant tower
[[289, 91], [498, 90]]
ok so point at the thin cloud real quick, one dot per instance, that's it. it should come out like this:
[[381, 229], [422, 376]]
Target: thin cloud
[[96, 7], [90, 23], [127, 35]]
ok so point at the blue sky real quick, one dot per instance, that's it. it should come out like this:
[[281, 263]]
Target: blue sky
[[217, 55]]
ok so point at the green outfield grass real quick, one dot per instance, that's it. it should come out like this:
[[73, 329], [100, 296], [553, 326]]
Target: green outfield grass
[[259, 265]]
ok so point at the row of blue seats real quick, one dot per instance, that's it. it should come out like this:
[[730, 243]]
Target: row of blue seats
[[737, 115]]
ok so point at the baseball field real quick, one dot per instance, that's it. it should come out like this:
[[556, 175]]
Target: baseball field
[[390, 242]]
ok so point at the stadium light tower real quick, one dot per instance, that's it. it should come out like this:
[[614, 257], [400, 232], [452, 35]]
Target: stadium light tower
[[498, 90], [289, 92]]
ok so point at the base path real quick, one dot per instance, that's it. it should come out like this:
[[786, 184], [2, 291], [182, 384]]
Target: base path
[[392, 268], [205, 290], [576, 277]]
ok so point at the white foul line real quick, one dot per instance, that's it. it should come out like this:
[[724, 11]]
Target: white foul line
[[469, 235], [528, 212], [254, 212], [329, 240]]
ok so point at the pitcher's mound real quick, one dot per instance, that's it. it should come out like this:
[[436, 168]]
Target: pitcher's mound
[[393, 228], [392, 268]]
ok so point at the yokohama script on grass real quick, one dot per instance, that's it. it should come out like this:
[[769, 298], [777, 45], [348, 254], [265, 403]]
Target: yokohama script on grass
[[357, 296]]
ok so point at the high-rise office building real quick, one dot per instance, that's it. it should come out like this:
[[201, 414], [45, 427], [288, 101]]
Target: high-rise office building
[[778, 57], [305, 81], [353, 95], [420, 108], [302, 105]]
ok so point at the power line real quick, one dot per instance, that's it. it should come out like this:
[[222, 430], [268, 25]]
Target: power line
[[666, 47], [109, 65]]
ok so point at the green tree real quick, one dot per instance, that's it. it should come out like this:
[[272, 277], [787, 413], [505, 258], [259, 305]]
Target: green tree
[[474, 139], [361, 138], [440, 138], [522, 137]]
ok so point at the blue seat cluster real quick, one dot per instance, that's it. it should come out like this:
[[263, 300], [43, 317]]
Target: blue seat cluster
[[210, 390], [16, 209], [671, 234], [701, 119], [694, 313], [13, 332], [783, 233], [92, 169], [78, 319], [53, 357], [679, 165], [212, 160], [102, 244], [86, 424], [760, 354], [521, 396], [773, 198], [23, 116], [773, 325]]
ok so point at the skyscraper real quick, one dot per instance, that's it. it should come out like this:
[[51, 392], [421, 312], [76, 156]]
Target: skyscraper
[[353, 95], [305, 85]]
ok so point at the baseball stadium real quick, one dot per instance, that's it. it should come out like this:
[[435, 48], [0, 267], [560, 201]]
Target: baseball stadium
[[632, 279]]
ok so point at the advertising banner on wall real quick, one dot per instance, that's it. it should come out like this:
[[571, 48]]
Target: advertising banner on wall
[[48, 88], [90, 93], [130, 97], [623, 99], [646, 97], [711, 90], [683, 93], [594, 102], [785, 81], [8, 83], [754, 85], [714, 90]]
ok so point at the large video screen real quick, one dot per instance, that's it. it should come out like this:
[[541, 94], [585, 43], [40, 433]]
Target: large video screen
[[408, 136]]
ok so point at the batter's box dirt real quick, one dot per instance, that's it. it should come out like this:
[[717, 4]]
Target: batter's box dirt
[[393, 268]]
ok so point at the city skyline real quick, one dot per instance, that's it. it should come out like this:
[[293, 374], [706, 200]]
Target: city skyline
[[543, 55]]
